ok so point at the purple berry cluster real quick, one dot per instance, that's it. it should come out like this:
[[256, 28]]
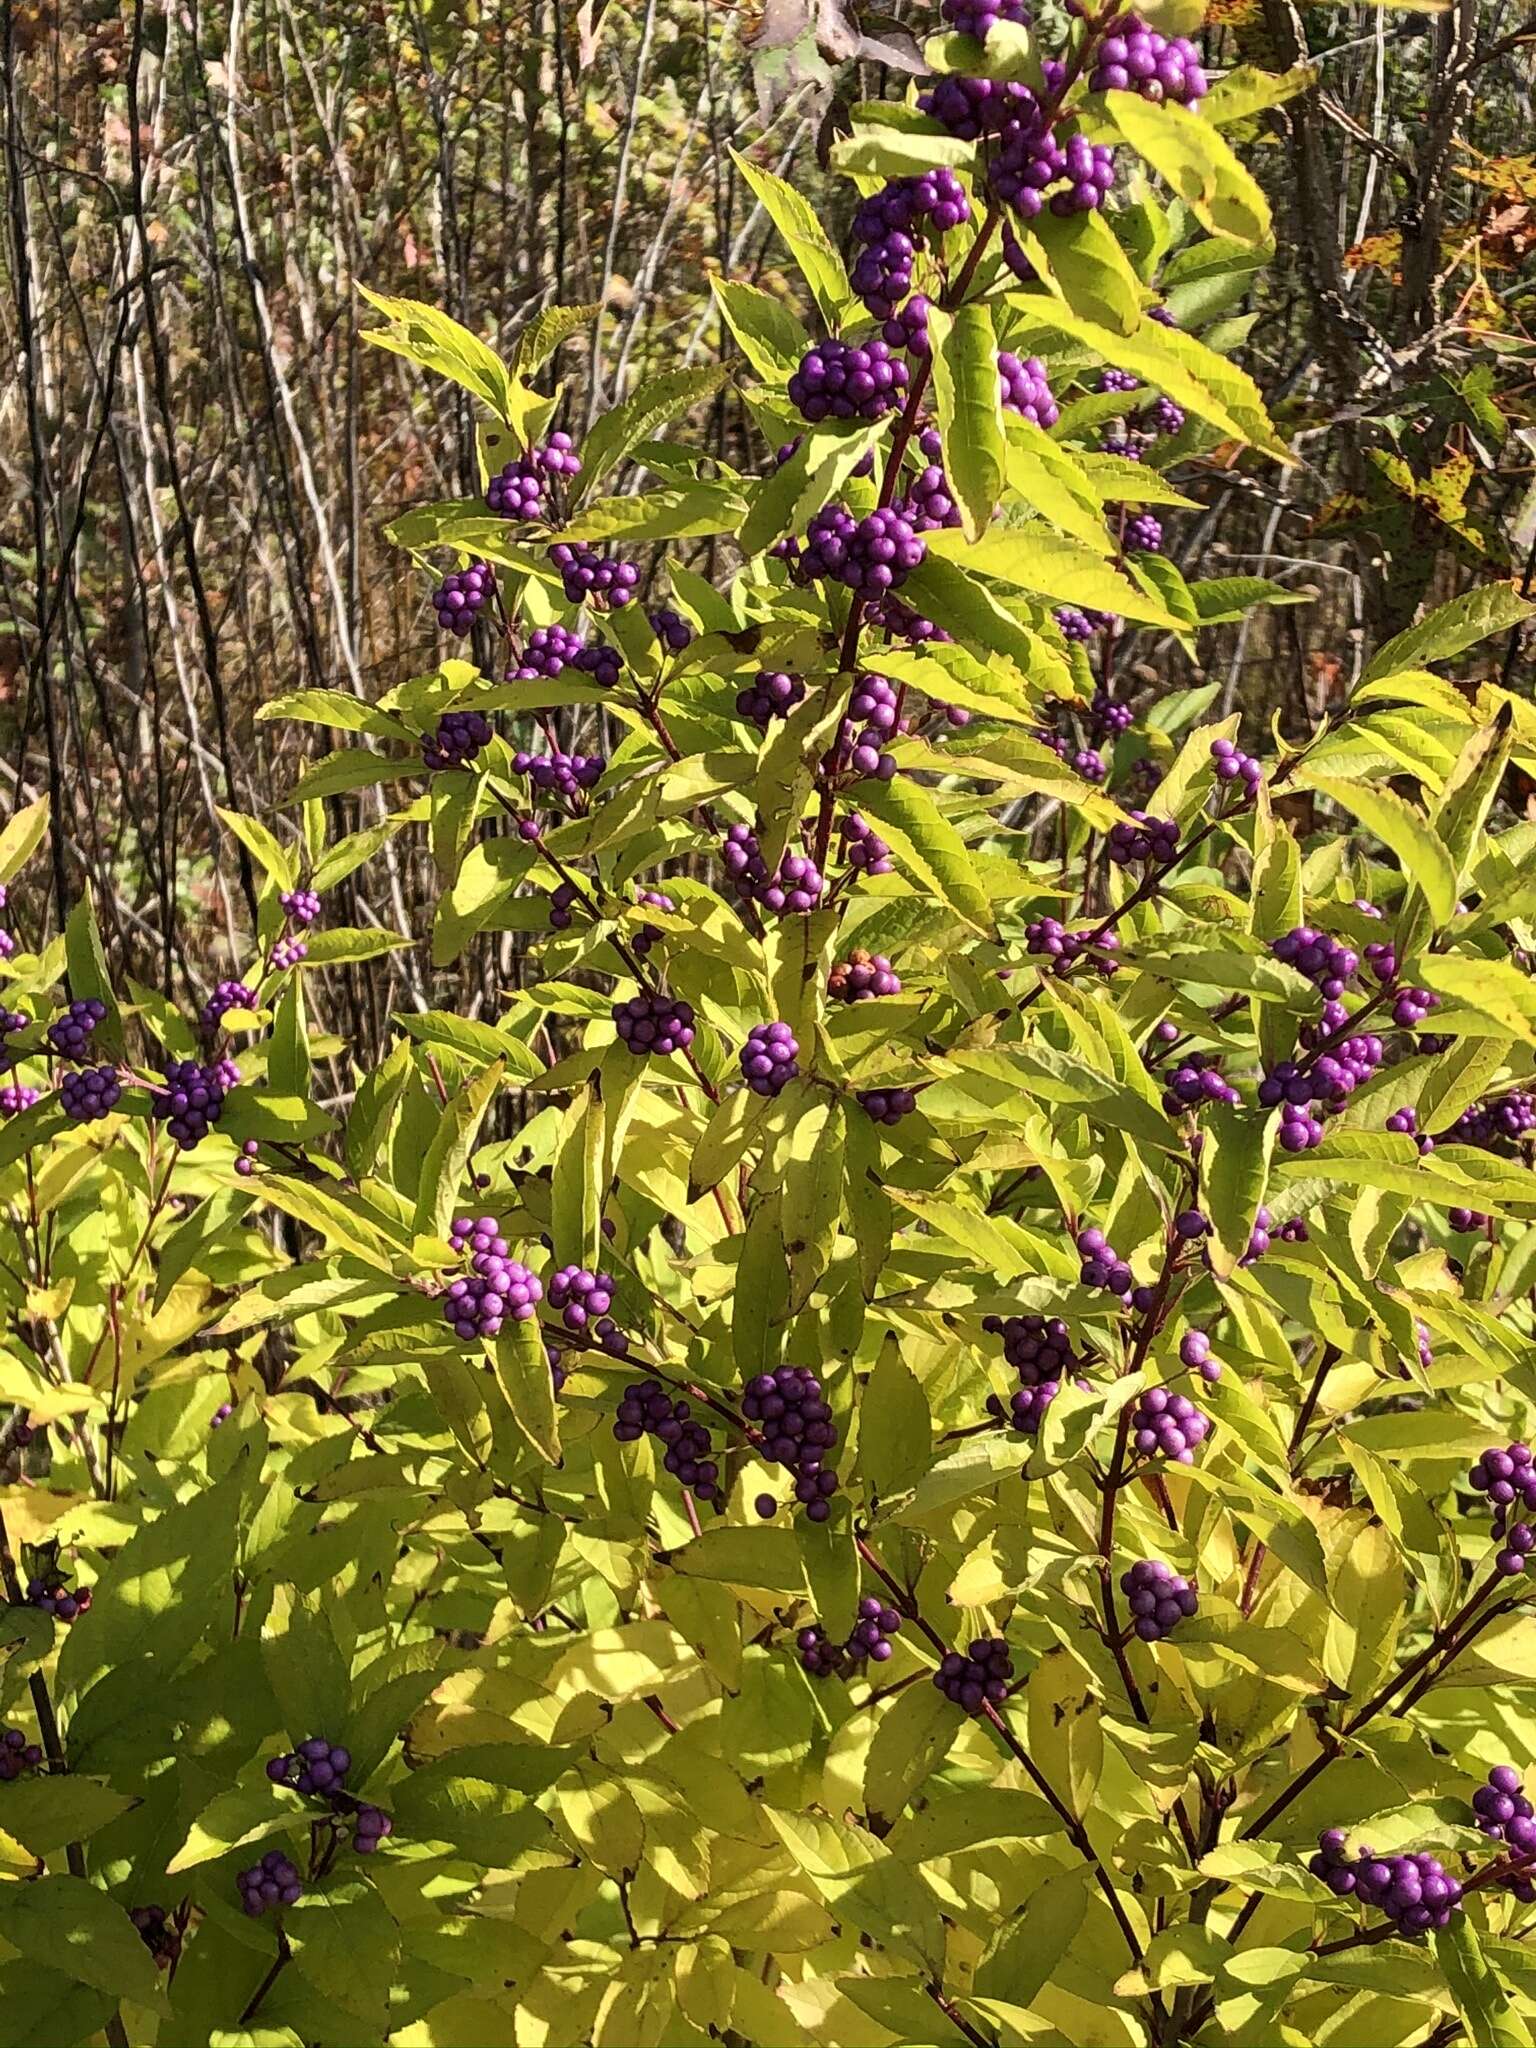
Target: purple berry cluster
[[649, 934], [1233, 765], [979, 1678], [887, 1105], [315, 1767], [1026, 389], [1140, 838], [1406, 1121], [1137, 59], [1158, 1598], [1506, 1815], [1196, 1080], [52, 1596], [1143, 533], [873, 718], [1032, 160], [770, 694], [158, 1932], [869, 1641], [795, 889], [517, 490], [1414, 1892], [245, 1163], [862, 977], [459, 736], [546, 653], [300, 906], [16, 1096], [582, 1301], [1498, 1123], [839, 380], [288, 953], [189, 1101], [17, 1755], [891, 226], [221, 1415], [1079, 626], [604, 664], [648, 1410], [770, 1059], [1117, 380], [370, 1826], [460, 597], [863, 848], [972, 107], [670, 628], [1040, 1351], [977, 17], [655, 1024], [70, 1034], [1162, 416], [1165, 1425], [89, 1095], [1326, 962], [1048, 938], [1463, 1221], [229, 995], [592, 578], [272, 1882], [1102, 1265], [907, 327], [797, 1432], [929, 502], [497, 1289], [567, 776], [1195, 1354], [870, 555], [1508, 1477]]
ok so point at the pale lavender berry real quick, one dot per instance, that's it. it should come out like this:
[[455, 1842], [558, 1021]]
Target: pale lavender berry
[[288, 953]]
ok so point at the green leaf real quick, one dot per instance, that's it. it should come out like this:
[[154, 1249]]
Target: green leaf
[[427, 336], [864, 1884], [1026, 1950], [895, 1427], [522, 1371], [929, 847], [1052, 564], [23, 834], [619, 432], [1234, 1172], [791, 495], [968, 396], [1065, 1738], [537, 342], [770, 335], [578, 1181], [68, 1925], [804, 236], [760, 1303], [344, 943], [812, 1194], [453, 1143], [1401, 828], [45, 1813], [347, 1942], [766, 1559], [1452, 629], [1492, 2019], [1198, 162], [912, 1739], [1462, 810], [1079, 258]]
